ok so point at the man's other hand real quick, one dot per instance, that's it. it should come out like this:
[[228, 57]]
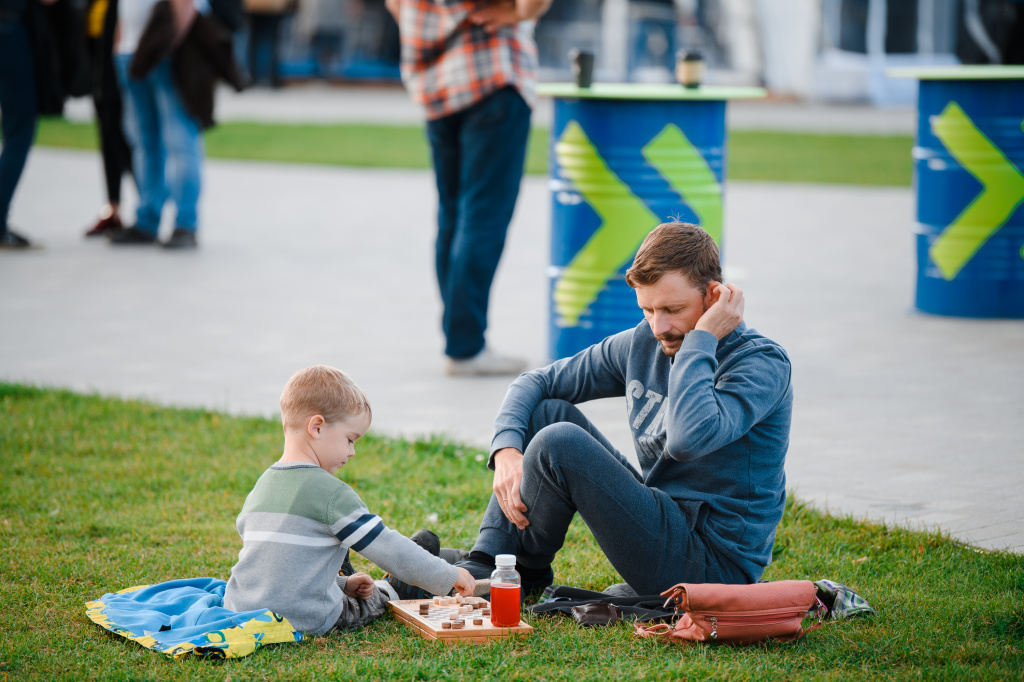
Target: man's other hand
[[726, 313], [508, 476]]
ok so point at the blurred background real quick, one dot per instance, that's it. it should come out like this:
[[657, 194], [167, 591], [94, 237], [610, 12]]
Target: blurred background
[[822, 50]]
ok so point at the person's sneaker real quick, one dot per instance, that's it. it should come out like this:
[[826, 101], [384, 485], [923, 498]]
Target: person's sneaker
[[429, 541], [181, 239], [453, 556], [485, 363], [534, 581], [132, 235], [106, 227], [12, 241]]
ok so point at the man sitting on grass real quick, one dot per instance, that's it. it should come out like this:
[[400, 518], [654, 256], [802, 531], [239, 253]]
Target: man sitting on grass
[[299, 521], [709, 403]]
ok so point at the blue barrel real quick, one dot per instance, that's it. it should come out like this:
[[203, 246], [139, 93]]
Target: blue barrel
[[623, 159], [968, 164]]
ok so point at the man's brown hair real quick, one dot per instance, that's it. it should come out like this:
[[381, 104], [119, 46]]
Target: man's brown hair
[[676, 247], [321, 390]]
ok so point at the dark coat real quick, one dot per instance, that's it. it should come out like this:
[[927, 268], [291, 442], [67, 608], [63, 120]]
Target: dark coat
[[59, 51], [203, 57]]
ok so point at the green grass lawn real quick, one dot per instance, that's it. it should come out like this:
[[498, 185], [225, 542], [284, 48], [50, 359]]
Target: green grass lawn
[[772, 156], [100, 494]]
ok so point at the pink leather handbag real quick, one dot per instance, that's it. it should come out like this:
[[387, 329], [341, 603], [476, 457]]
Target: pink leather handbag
[[739, 614]]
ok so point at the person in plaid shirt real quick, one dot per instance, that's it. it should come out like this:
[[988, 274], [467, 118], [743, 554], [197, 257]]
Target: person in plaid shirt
[[472, 64]]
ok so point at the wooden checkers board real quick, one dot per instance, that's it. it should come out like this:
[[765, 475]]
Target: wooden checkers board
[[429, 626]]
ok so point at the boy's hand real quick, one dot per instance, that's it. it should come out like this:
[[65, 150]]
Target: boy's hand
[[465, 583], [359, 585]]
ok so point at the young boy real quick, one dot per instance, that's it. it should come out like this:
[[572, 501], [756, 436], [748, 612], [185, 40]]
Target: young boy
[[299, 521]]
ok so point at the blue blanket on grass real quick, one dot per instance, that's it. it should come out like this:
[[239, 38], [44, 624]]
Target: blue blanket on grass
[[182, 617]]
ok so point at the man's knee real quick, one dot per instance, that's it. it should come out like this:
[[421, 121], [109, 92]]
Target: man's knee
[[549, 412], [554, 444]]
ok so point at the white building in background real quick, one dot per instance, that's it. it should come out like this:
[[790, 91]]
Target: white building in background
[[826, 50]]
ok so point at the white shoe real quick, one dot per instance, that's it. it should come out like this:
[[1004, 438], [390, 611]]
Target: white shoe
[[485, 363]]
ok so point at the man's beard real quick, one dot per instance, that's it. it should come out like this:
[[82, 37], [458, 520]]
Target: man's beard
[[672, 338]]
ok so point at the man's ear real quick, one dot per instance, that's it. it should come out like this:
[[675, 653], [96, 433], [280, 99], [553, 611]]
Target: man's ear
[[709, 293], [315, 426]]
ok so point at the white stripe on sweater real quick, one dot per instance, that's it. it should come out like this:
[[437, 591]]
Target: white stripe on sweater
[[288, 538]]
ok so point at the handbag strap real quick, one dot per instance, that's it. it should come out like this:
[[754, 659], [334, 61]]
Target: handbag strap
[[659, 630]]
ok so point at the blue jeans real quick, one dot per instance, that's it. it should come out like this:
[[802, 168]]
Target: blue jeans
[[167, 146], [478, 162], [17, 108], [570, 467]]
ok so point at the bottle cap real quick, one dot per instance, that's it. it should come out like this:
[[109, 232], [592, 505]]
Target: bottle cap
[[505, 560]]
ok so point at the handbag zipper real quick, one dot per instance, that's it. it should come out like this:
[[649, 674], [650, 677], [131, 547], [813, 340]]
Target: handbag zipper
[[751, 620]]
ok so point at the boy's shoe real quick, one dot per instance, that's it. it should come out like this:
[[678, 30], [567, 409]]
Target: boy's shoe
[[485, 363], [12, 241], [429, 541], [106, 227], [181, 239], [130, 236]]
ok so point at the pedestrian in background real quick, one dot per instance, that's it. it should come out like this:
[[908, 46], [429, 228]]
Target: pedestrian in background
[[265, 19], [473, 66], [18, 108], [106, 99], [162, 134]]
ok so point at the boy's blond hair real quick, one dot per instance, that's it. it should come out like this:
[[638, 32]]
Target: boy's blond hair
[[321, 390]]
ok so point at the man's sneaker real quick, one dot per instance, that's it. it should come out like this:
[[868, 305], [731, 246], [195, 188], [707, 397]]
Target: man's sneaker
[[453, 556], [429, 541], [181, 239], [12, 241], [534, 581], [485, 363], [106, 227], [132, 235]]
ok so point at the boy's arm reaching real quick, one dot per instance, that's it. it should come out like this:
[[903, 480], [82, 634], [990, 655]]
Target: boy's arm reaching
[[412, 564], [362, 531]]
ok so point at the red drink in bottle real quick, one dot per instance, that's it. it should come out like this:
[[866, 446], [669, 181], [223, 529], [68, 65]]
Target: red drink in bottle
[[505, 606]]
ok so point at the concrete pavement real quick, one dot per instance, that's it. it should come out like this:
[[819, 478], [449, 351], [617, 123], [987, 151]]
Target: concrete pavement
[[903, 417]]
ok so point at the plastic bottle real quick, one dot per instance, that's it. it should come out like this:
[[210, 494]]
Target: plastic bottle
[[505, 589]]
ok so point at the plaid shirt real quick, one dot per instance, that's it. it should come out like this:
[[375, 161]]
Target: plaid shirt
[[449, 64]]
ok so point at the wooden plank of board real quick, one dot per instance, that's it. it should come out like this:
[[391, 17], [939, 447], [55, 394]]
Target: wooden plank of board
[[429, 626]]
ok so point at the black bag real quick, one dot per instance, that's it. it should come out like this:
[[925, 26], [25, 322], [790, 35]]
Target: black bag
[[587, 607]]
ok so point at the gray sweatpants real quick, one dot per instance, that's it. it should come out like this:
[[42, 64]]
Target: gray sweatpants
[[356, 613], [569, 467]]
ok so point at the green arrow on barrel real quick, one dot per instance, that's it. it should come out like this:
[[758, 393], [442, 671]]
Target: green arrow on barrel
[[625, 219], [1002, 190]]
